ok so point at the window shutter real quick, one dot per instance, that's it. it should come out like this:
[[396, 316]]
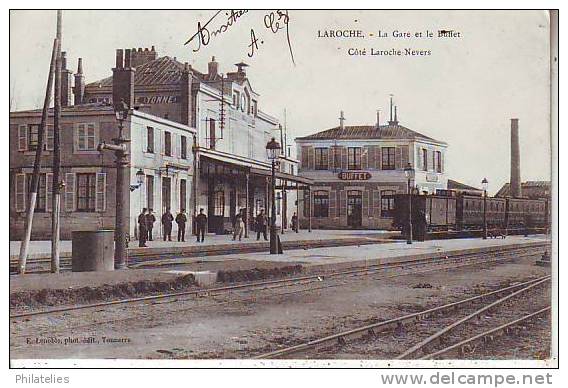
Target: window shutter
[[419, 158], [312, 158], [49, 138], [332, 204], [20, 192], [22, 137], [344, 158], [378, 157], [365, 158], [376, 204], [398, 158], [404, 156], [305, 157], [162, 142], [367, 202], [100, 195], [48, 191], [441, 161], [70, 191], [145, 141], [342, 203]]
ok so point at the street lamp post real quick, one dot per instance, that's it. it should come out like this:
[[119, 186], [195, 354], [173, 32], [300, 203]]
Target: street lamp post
[[484, 184], [122, 186], [409, 173], [272, 151]]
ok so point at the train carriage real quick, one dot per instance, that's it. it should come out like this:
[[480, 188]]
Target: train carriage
[[439, 211]]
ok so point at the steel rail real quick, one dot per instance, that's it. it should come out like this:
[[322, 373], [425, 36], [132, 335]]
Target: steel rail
[[311, 289], [279, 282], [372, 329], [439, 334], [460, 346]]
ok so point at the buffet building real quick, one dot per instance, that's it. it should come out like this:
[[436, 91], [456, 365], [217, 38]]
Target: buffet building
[[356, 171]]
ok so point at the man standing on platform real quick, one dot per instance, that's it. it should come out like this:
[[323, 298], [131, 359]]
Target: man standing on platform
[[142, 229], [167, 220], [261, 225], [181, 220], [201, 225], [150, 219]]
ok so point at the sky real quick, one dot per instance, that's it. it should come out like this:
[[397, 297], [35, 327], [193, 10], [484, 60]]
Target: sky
[[464, 93]]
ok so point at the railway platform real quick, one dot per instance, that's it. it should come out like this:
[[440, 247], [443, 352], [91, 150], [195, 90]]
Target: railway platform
[[214, 244], [311, 259]]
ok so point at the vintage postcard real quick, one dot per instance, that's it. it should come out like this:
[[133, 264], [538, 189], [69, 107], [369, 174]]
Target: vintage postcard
[[275, 188]]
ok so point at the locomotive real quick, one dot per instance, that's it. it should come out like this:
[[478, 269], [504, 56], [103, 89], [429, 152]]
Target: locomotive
[[451, 212]]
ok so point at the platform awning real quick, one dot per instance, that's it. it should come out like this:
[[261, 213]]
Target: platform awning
[[283, 176]]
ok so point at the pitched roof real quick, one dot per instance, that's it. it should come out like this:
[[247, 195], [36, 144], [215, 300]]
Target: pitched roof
[[455, 185], [161, 71], [530, 189], [90, 107], [395, 131]]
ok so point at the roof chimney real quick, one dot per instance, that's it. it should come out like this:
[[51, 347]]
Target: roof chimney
[[213, 68], [515, 160], [66, 81], [123, 79], [341, 120], [392, 121], [142, 56], [79, 88]]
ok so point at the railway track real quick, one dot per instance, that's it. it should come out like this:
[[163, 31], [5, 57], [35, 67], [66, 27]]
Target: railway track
[[400, 268], [373, 330]]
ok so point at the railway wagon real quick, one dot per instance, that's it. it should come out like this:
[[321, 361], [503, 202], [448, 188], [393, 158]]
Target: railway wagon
[[439, 211], [526, 212], [469, 212]]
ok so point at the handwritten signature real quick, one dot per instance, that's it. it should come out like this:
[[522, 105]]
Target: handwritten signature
[[274, 21]]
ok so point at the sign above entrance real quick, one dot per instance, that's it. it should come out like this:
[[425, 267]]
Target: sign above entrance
[[354, 175]]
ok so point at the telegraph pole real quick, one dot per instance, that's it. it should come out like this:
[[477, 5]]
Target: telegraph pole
[[56, 206], [37, 162]]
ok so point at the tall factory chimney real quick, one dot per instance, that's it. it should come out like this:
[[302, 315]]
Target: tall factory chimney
[[515, 160]]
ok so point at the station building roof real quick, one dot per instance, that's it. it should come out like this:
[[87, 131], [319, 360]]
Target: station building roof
[[361, 132]]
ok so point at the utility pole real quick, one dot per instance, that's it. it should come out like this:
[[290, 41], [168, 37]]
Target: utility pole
[[56, 206], [37, 162]]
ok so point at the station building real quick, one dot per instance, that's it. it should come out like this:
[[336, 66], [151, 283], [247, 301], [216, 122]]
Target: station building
[[356, 171], [198, 139]]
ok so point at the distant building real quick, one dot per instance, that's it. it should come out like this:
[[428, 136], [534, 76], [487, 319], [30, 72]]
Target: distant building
[[358, 169], [530, 189]]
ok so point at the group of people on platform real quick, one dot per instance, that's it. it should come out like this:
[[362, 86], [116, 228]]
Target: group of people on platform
[[146, 221]]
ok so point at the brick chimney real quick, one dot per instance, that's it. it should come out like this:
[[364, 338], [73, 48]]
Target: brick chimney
[[186, 97], [515, 160], [79, 88], [66, 81], [123, 78], [213, 68], [142, 56]]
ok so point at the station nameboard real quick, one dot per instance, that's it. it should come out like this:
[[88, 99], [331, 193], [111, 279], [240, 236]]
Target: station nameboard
[[354, 175]]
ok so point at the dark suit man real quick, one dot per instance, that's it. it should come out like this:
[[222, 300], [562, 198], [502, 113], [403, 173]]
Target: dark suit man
[[142, 229], [261, 222], [201, 225], [181, 220], [150, 219], [167, 220]]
